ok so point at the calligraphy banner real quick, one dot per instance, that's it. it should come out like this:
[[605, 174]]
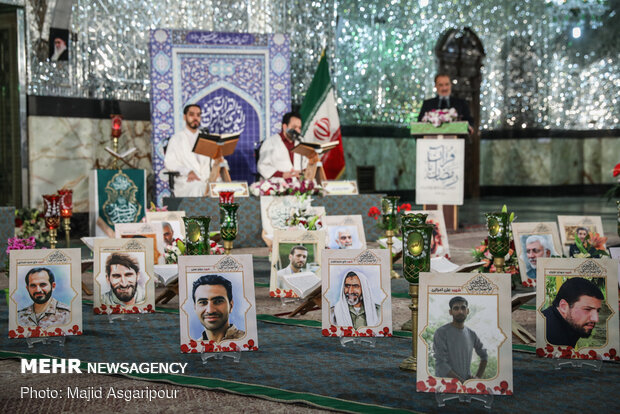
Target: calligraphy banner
[[440, 169], [116, 196], [241, 81]]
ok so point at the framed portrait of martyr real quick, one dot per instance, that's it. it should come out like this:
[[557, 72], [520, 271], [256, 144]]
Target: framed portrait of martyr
[[123, 276], [532, 242], [172, 224], [294, 252], [45, 293], [152, 231], [217, 306], [356, 293], [577, 309], [345, 232], [465, 334], [572, 227]]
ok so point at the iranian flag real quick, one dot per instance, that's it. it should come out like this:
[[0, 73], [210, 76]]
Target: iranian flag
[[320, 119]]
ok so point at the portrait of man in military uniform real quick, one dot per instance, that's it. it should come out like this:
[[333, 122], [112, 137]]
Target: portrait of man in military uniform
[[45, 311]]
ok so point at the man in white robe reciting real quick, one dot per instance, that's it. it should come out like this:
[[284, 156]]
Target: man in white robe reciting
[[276, 158], [194, 169], [356, 306]]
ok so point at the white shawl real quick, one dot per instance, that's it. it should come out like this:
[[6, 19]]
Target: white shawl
[[341, 309]]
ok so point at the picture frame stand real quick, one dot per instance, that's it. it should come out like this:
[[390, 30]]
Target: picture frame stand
[[123, 317], [46, 340], [559, 363], [286, 301], [358, 340], [206, 356], [486, 399]]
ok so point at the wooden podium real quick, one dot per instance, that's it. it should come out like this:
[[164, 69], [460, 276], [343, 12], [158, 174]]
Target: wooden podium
[[216, 146], [313, 151], [453, 130]]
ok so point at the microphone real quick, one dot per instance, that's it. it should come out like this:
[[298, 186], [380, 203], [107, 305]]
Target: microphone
[[296, 136]]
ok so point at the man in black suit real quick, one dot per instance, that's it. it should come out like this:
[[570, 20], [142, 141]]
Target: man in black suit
[[443, 85]]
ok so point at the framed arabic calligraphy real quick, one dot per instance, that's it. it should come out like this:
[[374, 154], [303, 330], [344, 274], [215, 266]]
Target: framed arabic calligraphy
[[440, 171]]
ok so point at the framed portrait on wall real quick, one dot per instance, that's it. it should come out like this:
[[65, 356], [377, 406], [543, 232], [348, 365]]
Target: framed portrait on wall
[[356, 294], [45, 293], [123, 277], [532, 242], [294, 252], [577, 308], [345, 232], [217, 306], [465, 334]]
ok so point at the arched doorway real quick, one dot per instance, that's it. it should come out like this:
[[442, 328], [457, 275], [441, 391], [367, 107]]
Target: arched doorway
[[460, 53]]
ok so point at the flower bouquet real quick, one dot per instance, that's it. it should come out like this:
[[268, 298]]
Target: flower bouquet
[[437, 117], [30, 222], [302, 216], [593, 246], [177, 248], [285, 186]]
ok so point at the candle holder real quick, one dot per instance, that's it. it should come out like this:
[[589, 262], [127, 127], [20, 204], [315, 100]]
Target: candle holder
[[51, 212], [228, 225], [417, 235], [117, 121], [66, 212], [227, 197], [499, 240], [389, 209], [197, 236]]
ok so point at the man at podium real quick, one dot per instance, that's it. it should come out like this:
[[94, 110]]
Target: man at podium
[[276, 157], [444, 100], [193, 169]]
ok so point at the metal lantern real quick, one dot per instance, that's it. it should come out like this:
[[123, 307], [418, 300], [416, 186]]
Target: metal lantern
[[51, 212], [389, 210], [417, 236], [228, 224], [499, 240], [197, 235]]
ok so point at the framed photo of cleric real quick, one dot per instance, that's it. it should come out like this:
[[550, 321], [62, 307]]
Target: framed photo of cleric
[[577, 309], [171, 222], [45, 293], [123, 277], [578, 226], [439, 242], [152, 231], [217, 306], [532, 242], [356, 294], [465, 334], [345, 232], [294, 252]]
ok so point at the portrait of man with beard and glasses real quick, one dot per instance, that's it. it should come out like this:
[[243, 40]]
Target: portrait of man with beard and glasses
[[213, 305], [573, 313], [534, 247], [356, 306], [122, 272], [45, 310]]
